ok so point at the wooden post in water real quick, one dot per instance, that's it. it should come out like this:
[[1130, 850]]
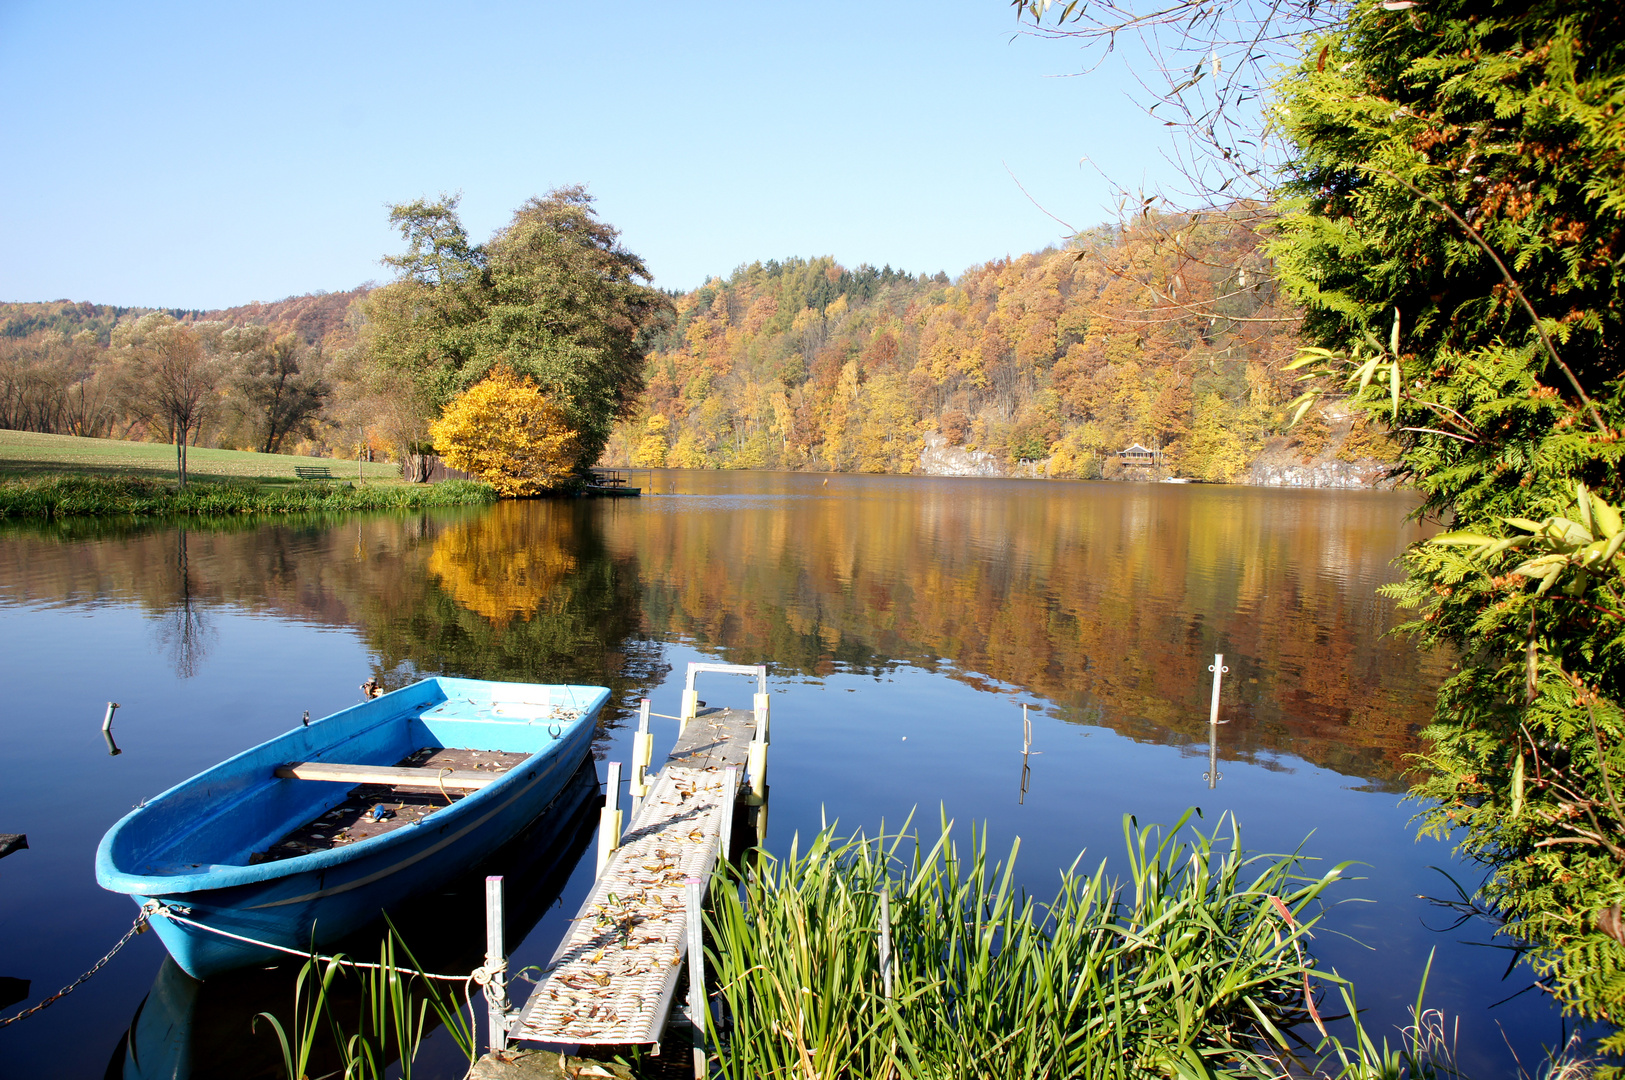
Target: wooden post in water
[[1212, 776], [609, 819], [697, 1007], [107, 730], [885, 940], [496, 962]]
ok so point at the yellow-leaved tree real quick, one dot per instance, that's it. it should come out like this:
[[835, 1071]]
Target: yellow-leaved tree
[[505, 431]]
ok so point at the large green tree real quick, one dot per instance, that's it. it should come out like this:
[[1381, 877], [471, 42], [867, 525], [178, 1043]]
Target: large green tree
[[553, 295], [1456, 231]]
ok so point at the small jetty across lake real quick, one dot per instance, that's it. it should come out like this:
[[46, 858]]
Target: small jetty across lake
[[610, 482], [613, 978]]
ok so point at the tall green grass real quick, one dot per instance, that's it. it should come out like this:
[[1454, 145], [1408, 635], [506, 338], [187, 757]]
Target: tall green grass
[[72, 495], [365, 1034], [1189, 966]]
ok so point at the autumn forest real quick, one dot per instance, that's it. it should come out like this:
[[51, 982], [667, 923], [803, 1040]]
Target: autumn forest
[[1166, 332]]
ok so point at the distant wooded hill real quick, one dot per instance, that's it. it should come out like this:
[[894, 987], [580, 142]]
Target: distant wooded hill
[[1167, 332], [318, 318]]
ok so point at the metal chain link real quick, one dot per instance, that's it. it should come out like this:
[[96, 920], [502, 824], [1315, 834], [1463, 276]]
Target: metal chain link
[[135, 928]]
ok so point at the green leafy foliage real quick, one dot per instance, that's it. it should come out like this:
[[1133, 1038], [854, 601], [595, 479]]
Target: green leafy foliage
[[1456, 231], [553, 295]]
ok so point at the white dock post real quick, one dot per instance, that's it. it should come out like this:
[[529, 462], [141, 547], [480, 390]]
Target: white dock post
[[697, 1007], [496, 964], [691, 702], [1218, 670], [642, 755], [758, 748], [609, 819]]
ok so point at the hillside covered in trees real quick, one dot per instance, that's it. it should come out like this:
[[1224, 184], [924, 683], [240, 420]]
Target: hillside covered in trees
[[1167, 332]]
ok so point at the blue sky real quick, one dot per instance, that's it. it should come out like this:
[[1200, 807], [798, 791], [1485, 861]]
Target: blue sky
[[204, 155]]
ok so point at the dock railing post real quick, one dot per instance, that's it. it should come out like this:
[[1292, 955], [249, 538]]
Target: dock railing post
[[496, 965], [757, 759], [642, 755], [697, 1007], [691, 702], [609, 819]]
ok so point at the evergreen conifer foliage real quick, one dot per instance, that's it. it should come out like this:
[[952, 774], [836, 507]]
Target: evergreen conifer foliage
[[1456, 232]]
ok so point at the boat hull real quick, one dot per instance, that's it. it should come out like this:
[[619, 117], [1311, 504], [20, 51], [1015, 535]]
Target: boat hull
[[315, 900]]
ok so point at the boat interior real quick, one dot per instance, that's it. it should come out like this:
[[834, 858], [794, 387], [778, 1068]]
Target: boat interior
[[360, 773]]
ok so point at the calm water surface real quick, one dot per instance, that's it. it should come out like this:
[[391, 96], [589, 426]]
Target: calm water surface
[[905, 622]]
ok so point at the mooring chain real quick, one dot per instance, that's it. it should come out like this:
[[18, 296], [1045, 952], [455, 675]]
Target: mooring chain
[[135, 928]]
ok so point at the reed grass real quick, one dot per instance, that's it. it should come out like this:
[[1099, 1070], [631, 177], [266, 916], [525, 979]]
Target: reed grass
[[384, 1024], [1192, 965], [72, 495]]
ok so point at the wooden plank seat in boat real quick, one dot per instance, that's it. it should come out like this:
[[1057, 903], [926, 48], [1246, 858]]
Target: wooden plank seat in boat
[[388, 775]]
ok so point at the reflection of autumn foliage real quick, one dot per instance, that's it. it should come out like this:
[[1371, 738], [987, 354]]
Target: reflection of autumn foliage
[[505, 564], [371, 573], [1108, 601]]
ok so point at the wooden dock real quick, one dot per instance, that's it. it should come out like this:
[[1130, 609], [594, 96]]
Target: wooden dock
[[612, 979]]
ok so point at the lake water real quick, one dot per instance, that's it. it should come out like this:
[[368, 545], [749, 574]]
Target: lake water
[[905, 622]]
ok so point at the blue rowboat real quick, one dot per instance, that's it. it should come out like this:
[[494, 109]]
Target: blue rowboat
[[307, 837]]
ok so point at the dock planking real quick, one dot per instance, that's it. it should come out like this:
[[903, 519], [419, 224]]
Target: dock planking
[[715, 739], [612, 979]]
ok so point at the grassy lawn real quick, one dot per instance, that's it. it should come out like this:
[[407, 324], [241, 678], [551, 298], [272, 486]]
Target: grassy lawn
[[48, 477], [29, 454]]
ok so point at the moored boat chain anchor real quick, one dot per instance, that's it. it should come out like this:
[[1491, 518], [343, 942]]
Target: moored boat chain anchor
[[137, 927]]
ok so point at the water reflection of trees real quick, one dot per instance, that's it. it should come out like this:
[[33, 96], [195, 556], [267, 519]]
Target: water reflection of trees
[[526, 591], [1109, 600], [522, 591], [183, 627]]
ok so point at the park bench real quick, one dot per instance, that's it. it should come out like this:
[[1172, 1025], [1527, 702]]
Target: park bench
[[313, 472]]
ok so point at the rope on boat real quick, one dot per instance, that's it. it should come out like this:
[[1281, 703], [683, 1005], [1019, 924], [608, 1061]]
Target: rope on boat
[[137, 927], [170, 914], [480, 975]]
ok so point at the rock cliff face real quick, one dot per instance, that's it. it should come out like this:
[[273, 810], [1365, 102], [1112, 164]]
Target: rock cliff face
[[1278, 465], [940, 459], [1320, 474]]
